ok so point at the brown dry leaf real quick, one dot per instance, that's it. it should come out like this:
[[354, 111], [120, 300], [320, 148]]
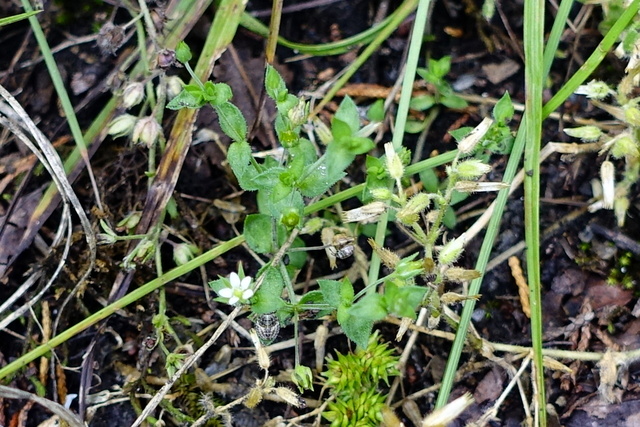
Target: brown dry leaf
[[602, 295], [497, 73], [490, 387], [611, 366]]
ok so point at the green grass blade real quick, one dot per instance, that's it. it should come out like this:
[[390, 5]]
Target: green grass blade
[[512, 167], [533, 76]]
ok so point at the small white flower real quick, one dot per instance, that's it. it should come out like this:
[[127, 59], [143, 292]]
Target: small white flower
[[238, 291]]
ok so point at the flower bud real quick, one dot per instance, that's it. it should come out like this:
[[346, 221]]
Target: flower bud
[[290, 219], [381, 193], [298, 114], [585, 133], [303, 377], [323, 131], [312, 226], [594, 90], [409, 214], [624, 146], [132, 95], [183, 253], [174, 86], [146, 131], [472, 169], [607, 176], [452, 250], [632, 116], [469, 142], [121, 126], [365, 214], [166, 58], [394, 163], [129, 222]]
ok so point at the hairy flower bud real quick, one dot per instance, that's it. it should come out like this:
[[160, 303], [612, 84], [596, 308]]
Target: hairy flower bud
[[394, 163], [452, 250], [174, 86], [132, 95], [121, 126], [595, 90], [409, 214], [183, 253], [632, 116], [146, 131], [585, 133], [472, 169]]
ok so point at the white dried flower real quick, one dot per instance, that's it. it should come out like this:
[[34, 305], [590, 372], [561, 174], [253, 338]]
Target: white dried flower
[[469, 142], [473, 186], [365, 214], [238, 290], [607, 176]]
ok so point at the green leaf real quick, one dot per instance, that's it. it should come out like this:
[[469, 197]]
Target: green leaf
[[415, 126], [276, 208], [185, 99], [375, 113], [217, 93], [403, 300], [312, 297], [232, 121], [183, 53], [297, 259], [503, 111], [340, 129], [348, 113], [274, 85], [257, 231], [422, 102], [357, 330], [268, 297], [460, 133], [371, 307], [453, 101], [239, 158], [440, 67], [331, 291], [18, 17], [430, 180]]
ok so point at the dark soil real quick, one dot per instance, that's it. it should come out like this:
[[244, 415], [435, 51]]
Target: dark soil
[[578, 279]]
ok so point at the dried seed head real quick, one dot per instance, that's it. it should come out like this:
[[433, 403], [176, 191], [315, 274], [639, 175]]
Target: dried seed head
[[290, 397], [389, 259], [261, 353], [473, 187], [620, 207], [110, 38], [254, 397], [458, 274], [166, 58]]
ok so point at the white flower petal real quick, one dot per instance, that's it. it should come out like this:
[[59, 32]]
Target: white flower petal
[[247, 294], [234, 279], [246, 282], [233, 300], [225, 292]]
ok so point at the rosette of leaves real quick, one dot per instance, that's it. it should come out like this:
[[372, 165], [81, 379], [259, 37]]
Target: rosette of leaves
[[354, 379]]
